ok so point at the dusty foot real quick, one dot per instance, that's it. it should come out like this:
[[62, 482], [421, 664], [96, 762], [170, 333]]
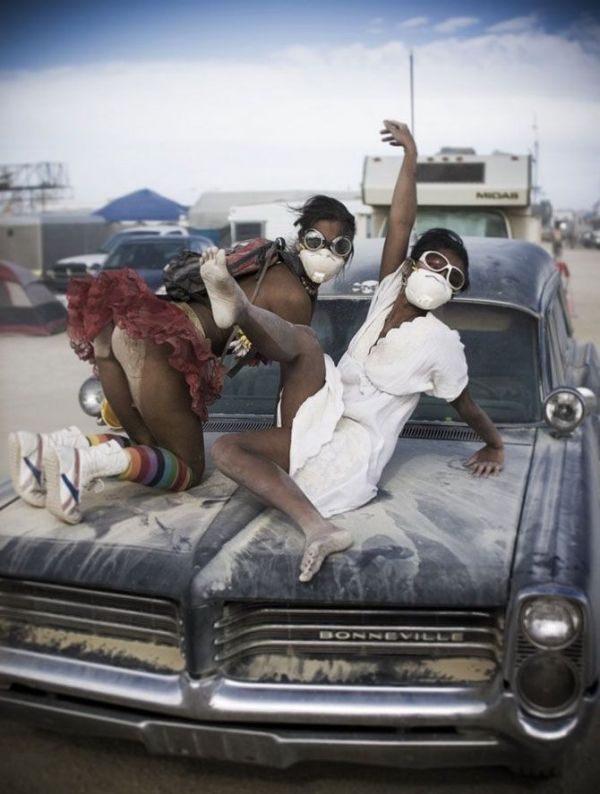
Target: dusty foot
[[320, 547], [226, 298]]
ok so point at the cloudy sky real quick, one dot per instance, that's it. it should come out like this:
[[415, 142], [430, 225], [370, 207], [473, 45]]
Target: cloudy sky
[[184, 96]]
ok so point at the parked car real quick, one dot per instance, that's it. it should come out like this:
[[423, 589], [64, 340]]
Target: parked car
[[149, 255], [82, 264], [461, 628]]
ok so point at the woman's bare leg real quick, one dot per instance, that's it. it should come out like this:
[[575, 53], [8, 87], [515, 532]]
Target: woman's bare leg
[[116, 389], [260, 461], [165, 405], [274, 337], [149, 396]]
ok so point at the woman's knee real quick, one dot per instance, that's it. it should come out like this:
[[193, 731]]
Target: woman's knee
[[224, 452], [308, 342]]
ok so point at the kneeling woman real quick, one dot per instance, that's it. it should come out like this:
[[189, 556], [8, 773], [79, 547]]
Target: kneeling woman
[[159, 366], [340, 425]]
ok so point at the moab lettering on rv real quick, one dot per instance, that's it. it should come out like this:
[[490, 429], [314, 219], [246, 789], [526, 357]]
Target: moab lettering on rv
[[495, 194]]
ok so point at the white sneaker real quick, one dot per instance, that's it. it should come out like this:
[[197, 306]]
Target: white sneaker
[[69, 470], [27, 456]]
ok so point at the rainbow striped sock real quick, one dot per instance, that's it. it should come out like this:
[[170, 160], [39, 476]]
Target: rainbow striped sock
[[158, 468], [102, 438]]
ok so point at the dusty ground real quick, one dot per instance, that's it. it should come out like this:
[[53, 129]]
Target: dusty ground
[[39, 379]]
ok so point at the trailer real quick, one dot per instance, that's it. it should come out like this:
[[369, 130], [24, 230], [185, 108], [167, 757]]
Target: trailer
[[475, 195]]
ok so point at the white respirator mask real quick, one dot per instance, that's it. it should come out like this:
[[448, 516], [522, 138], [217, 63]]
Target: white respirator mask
[[427, 290], [321, 265]]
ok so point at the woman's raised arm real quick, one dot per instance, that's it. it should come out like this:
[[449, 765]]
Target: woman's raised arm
[[403, 209]]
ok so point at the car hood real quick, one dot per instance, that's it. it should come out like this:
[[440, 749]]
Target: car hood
[[433, 536]]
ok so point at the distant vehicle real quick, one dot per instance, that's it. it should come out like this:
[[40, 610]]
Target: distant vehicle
[[479, 195], [149, 254], [82, 264]]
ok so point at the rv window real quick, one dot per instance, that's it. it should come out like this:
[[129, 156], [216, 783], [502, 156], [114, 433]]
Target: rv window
[[469, 223], [247, 231], [451, 172]]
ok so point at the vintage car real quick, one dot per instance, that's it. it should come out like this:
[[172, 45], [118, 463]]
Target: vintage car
[[461, 628]]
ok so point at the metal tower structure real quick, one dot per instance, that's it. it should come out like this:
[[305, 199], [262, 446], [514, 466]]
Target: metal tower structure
[[31, 187]]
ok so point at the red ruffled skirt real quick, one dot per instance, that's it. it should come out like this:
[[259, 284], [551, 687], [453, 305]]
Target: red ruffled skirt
[[122, 297]]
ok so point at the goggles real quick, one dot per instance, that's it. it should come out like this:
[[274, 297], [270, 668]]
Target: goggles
[[438, 263], [313, 240]]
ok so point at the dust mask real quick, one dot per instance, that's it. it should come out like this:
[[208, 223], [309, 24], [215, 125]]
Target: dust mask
[[321, 265], [427, 290]]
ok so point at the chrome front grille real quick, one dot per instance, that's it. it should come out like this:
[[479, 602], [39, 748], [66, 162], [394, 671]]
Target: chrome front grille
[[108, 628], [442, 432], [429, 430], [574, 652], [260, 642]]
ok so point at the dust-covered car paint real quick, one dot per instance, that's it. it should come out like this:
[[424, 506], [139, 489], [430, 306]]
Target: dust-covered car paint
[[179, 620]]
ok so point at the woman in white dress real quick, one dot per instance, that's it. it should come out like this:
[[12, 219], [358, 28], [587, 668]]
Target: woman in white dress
[[338, 426]]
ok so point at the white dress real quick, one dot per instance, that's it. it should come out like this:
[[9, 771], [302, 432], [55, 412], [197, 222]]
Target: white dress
[[344, 435]]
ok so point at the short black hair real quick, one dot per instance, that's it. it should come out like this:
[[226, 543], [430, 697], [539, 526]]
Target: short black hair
[[434, 239], [325, 208]]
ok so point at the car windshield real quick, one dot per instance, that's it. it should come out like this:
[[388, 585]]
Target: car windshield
[[109, 245], [500, 345], [147, 254]]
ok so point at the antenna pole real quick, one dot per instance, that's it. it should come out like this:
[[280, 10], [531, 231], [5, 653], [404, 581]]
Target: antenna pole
[[535, 188], [412, 93]]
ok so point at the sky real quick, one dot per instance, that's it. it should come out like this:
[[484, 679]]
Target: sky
[[189, 96]]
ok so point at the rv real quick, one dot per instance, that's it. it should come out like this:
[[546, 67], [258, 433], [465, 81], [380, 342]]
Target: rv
[[475, 195]]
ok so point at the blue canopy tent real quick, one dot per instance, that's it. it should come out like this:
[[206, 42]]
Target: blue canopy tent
[[142, 205]]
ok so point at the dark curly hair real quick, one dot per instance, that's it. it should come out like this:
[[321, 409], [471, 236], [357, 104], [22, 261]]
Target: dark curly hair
[[324, 208], [434, 239]]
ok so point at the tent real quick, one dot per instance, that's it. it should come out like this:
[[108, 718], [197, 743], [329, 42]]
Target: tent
[[142, 205], [26, 305]]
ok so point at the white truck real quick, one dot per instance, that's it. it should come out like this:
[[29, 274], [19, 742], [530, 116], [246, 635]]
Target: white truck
[[475, 195]]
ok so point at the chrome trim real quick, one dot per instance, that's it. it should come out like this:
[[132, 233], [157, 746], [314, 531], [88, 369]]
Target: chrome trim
[[280, 747], [351, 636], [112, 628]]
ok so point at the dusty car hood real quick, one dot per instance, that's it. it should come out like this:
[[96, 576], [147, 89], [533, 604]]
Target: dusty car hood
[[434, 536]]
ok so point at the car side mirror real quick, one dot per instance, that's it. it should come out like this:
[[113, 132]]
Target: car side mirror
[[565, 408]]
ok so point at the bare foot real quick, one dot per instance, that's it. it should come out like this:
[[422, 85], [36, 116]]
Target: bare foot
[[320, 547], [226, 298]]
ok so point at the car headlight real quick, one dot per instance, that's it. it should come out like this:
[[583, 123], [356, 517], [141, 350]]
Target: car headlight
[[565, 408], [91, 396], [547, 684], [551, 623]]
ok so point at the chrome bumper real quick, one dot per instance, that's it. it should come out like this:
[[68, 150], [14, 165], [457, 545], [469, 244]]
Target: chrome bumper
[[279, 726], [277, 746]]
